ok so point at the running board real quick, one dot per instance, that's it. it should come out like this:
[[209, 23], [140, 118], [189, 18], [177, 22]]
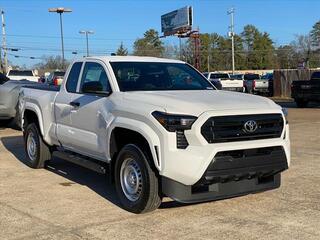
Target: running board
[[81, 161]]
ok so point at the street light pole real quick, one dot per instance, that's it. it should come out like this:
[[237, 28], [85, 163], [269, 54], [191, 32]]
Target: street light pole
[[61, 10], [61, 34], [87, 32], [231, 13]]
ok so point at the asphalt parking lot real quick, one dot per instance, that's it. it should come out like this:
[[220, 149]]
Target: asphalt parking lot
[[65, 201]]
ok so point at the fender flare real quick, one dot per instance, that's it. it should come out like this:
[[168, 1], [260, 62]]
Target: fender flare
[[142, 128], [34, 108]]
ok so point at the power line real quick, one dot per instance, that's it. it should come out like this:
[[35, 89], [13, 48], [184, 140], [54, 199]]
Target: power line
[[56, 37]]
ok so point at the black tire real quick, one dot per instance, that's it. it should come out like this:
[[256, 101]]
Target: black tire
[[301, 103], [41, 153], [149, 197]]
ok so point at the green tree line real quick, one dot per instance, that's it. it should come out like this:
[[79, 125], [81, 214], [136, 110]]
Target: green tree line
[[254, 49]]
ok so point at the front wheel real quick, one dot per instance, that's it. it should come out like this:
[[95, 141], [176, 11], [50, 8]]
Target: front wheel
[[136, 183], [37, 151]]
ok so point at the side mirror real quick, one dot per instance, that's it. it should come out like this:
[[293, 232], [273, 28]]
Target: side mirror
[[94, 87]]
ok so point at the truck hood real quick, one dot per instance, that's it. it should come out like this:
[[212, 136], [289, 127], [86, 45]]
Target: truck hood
[[197, 102]]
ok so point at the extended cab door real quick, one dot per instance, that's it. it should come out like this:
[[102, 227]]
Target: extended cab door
[[90, 113], [62, 107]]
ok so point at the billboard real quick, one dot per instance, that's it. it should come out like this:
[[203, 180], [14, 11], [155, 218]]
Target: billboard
[[175, 21]]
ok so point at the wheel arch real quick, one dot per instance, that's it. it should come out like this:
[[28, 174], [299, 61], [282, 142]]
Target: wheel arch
[[135, 132], [32, 113]]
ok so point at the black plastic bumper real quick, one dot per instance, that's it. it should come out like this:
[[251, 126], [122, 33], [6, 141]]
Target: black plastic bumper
[[231, 174]]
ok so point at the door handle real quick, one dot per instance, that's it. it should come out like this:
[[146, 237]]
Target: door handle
[[74, 104]]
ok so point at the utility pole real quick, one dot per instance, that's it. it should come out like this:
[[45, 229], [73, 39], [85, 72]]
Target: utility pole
[[87, 32], [4, 47], [231, 34]]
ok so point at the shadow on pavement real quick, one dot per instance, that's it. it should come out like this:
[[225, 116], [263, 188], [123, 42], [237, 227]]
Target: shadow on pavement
[[74, 173]]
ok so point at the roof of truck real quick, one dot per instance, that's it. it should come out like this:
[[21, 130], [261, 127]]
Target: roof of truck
[[132, 59]]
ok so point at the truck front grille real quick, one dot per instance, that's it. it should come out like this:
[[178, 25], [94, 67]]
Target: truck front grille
[[232, 128]]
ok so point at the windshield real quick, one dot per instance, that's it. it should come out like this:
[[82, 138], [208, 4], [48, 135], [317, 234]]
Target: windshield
[[251, 76], [59, 74], [21, 73], [267, 76], [237, 76], [219, 75], [154, 76]]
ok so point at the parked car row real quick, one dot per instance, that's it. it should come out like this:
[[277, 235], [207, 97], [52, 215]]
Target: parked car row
[[249, 82], [226, 82], [55, 78]]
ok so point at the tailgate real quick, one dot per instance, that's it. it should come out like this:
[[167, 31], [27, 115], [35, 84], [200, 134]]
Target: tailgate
[[232, 83], [262, 83]]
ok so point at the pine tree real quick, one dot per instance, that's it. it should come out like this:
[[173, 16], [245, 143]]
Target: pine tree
[[149, 45], [122, 50], [315, 35]]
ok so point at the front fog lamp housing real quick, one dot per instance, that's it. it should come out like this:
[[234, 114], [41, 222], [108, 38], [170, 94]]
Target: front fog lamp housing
[[174, 122]]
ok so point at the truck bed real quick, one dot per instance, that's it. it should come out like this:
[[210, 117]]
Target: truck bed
[[44, 87], [42, 97]]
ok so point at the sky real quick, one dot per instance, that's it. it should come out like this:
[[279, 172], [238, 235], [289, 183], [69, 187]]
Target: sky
[[36, 32]]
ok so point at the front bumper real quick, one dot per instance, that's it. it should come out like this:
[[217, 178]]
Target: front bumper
[[232, 173], [185, 194], [187, 166]]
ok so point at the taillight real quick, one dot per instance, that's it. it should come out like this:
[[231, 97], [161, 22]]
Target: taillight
[[55, 81], [254, 83]]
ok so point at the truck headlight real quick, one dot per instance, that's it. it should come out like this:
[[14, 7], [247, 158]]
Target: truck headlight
[[174, 122], [285, 113]]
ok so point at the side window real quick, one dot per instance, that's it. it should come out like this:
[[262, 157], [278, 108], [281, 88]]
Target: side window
[[73, 77], [94, 73]]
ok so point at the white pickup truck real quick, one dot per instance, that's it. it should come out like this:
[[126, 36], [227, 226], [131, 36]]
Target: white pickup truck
[[22, 75], [228, 83], [158, 128], [256, 85]]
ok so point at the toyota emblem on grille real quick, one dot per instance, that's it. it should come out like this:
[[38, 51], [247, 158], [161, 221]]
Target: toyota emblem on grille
[[250, 126]]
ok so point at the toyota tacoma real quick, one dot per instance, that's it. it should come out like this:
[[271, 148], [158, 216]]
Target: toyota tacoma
[[158, 128]]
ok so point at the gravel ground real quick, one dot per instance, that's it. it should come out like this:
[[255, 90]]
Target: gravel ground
[[65, 201]]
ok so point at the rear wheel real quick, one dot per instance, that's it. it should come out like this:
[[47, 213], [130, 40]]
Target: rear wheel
[[37, 151], [136, 183], [301, 103]]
